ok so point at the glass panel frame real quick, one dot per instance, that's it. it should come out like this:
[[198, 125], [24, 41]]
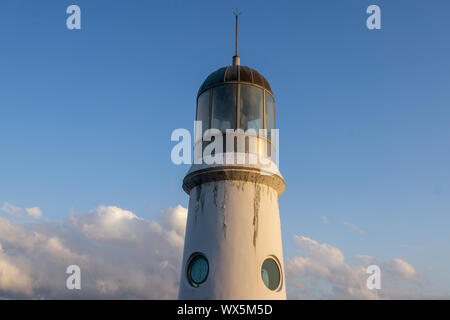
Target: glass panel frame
[[269, 113]]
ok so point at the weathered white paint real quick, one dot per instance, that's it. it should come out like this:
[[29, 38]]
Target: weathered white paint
[[236, 225]]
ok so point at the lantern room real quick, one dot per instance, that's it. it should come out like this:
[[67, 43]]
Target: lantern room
[[236, 97]]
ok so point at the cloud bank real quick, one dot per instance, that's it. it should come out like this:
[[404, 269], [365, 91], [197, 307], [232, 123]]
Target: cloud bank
[[123, 256], [320, 271]]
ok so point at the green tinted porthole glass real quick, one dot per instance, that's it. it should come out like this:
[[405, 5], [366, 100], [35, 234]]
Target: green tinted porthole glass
[[270, 273], [197, 270]]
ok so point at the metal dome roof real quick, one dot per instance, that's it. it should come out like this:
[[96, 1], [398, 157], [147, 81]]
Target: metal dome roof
[[233, 74]]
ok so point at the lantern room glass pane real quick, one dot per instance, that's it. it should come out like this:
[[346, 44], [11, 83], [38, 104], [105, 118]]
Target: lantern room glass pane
[[203, 109], [251, 104], [270, 114], [224, 107]]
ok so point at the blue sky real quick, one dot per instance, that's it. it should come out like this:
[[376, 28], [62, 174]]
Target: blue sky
[[86, 115]]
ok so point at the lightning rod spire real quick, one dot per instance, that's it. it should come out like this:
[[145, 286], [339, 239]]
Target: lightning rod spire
[[236, 58]]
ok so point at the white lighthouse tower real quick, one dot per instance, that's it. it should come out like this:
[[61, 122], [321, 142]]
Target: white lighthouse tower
[[233, 247]]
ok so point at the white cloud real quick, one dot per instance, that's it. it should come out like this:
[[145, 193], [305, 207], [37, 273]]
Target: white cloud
[[364, 259], [107, 223], [12, 278], [320, 252], [120, 255], [174, 219], [324, 219], [354, 228], [11, 209], [402, 268], [34, 212], [320, 271]]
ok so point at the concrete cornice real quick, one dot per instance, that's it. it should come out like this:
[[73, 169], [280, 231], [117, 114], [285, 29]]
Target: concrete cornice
[[233, 172]]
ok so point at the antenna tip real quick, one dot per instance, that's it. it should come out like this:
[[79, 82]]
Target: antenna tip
[[236, 58]]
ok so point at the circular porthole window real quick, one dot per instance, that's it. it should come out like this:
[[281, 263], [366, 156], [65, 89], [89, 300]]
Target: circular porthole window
[[270, 273], [197, 270]]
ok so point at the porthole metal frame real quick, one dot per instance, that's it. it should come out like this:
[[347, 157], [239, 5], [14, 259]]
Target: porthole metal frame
[[280, 270], [189, 265]]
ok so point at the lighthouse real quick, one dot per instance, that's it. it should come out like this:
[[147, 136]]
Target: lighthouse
[[233, 247]]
